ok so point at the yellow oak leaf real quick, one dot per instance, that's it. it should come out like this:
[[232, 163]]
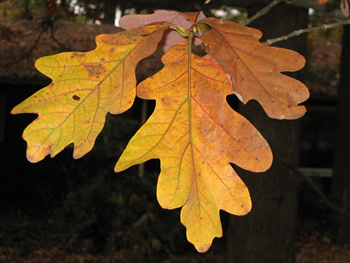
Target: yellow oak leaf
[[85, 87], [196, 135]]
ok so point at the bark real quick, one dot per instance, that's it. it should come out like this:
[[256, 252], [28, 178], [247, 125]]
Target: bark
[[110, 8], [341, 166], [267, 233]]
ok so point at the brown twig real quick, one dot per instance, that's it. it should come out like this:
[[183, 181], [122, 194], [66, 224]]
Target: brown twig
[[28, 53], [263, 11], [314, 187], [306, 30], [62, 45]]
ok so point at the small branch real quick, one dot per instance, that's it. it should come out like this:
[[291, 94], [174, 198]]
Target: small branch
[[29, 52], [315, 188], [263, 11], [306, 30], [62, 45]]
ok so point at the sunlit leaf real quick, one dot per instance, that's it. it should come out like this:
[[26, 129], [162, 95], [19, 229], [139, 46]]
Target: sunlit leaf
[[196, 135], [85, 87]]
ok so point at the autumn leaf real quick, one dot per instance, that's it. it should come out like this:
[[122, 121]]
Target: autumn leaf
[[85, 87], [196, 135], [184, 20], [344, 7], [255, 69], [320, 2]]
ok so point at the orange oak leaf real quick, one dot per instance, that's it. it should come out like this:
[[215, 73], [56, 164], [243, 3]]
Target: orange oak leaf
[[255, 69], [85, 87], [320, 2], [196, 135]]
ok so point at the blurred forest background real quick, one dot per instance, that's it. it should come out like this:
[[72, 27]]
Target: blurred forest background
[[65, 210]]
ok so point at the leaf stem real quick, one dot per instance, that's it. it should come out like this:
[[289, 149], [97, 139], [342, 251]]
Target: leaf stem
[[189, 39]]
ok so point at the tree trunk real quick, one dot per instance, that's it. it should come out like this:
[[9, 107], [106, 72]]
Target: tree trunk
[[110, 8], [267, 233], [341, 166]]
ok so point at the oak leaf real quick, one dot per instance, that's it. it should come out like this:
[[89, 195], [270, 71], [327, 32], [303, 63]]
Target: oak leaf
[[85, 87], [255, 69], [321, 2], [344, 7], [196, 135]]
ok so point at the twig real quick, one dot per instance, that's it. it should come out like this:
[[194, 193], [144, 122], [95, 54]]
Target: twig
[[263, 11], [306, 30], [314, 187], [62, 45], [29, 52], [45, 25]]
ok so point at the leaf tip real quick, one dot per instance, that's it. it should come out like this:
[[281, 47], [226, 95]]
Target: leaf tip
[[204, 248], [34, 158], [14, 111], [17, 109], [119, 167], [296, 112]]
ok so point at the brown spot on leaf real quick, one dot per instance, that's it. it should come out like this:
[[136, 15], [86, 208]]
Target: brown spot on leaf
[[95, 70], [75, 97]]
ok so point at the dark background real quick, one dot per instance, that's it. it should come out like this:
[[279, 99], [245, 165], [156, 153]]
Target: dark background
[[82, 206]]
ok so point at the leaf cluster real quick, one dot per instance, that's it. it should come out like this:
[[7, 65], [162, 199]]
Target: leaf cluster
[[193, 131]]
